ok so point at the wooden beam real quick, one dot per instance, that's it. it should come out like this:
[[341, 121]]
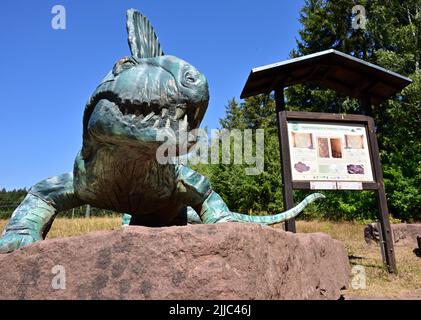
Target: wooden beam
[[383, 211], [281, 122]]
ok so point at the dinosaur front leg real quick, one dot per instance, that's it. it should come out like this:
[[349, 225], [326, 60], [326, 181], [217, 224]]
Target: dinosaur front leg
[[32, 219], [196, 192]]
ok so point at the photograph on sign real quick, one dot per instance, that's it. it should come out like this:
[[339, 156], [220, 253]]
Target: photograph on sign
[[329, 152]]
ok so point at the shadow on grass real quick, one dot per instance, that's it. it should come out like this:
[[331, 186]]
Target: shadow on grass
[[357, 260]]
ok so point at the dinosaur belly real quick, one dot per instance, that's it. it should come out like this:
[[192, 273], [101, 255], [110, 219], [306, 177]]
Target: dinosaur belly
[[125, 181]]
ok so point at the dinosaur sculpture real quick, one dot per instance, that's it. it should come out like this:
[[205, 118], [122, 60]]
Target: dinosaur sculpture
[[117, 169]]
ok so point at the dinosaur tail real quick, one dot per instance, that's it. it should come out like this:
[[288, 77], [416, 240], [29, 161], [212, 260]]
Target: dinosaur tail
[[280, 217]]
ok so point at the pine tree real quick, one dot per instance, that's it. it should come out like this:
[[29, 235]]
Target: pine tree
[[391, 39]]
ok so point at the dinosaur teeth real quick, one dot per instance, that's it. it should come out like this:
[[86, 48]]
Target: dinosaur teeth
[[150, 115], [197, 113], [168, 123], [183, 124], [164, 112], [156, 124], [179, 113]]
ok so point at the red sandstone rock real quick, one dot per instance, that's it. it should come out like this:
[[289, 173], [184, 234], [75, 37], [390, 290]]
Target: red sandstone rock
[[221, 261], [404, 234]]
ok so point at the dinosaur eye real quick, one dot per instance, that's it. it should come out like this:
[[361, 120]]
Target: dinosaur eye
[[123, 64], [189, 77]]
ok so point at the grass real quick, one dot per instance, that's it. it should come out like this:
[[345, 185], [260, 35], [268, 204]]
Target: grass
[[63, 227], [379, 283]]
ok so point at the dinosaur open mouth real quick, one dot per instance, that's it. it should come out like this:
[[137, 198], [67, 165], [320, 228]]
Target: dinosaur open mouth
[[157, 116], [177, 116]]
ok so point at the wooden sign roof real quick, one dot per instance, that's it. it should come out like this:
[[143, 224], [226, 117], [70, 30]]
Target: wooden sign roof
[[330, 69]]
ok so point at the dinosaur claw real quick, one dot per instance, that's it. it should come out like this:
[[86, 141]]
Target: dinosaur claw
[[11, 242]]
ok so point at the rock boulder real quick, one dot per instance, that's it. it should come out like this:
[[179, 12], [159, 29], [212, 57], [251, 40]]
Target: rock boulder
[[404, 234], [221, 261]]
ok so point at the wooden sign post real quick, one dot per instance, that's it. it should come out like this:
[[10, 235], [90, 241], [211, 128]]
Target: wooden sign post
[[327, 151], [352, 151]]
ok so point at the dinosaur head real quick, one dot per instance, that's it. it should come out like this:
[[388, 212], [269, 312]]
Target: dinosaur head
[[148, 91], [157, 92]]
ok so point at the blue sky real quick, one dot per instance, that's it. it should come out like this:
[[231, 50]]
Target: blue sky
[[48, 75]]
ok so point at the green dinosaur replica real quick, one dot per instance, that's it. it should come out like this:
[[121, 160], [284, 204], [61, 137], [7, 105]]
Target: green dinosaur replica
[[144, 95]]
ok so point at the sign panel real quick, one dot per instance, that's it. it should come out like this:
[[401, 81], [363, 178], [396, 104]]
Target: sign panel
[[326, 151], [323, 185]]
